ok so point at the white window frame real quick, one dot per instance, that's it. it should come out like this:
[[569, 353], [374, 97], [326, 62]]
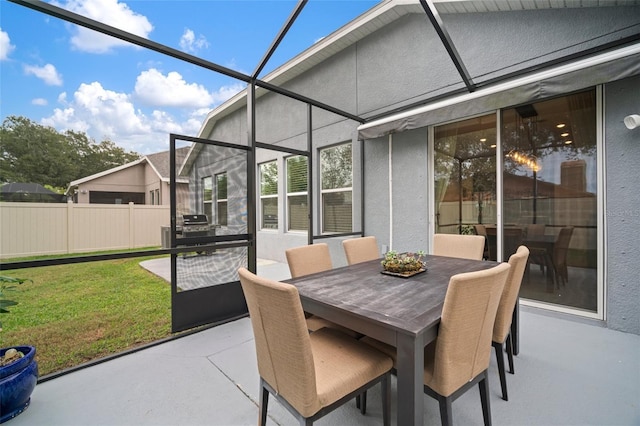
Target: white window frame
[[209, 202], [295, 194], [334, 190], [219, 201], [269, 196]]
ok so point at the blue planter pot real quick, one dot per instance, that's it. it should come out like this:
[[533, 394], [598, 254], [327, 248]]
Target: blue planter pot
[[17, 381]]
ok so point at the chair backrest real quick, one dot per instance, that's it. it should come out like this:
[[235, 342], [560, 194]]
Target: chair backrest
[[283, 347], [462, 246], [463, 346], [562, 244], [359, 250], [518, 262], [535, 229], [305, 260], [512, 238], [480, 229]]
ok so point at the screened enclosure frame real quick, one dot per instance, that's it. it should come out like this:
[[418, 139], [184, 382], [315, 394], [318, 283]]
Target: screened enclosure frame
[[253, 82]]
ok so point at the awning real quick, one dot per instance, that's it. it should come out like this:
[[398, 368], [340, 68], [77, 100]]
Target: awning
[[603, 68]]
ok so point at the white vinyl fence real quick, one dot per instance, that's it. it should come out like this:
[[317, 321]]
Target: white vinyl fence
[[30, 229]]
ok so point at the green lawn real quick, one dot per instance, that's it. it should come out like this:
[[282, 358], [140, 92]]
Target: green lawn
[[80, 312]]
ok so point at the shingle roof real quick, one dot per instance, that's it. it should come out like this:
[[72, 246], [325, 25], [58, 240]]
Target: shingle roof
[[160, 161]]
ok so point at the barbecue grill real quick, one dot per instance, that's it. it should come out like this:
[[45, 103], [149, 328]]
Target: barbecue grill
[[196, 225]]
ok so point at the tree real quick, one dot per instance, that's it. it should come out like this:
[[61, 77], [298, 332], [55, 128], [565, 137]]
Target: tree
[[40, 154]]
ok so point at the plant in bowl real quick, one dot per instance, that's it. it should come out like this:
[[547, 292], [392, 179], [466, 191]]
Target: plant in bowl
[[18, 367], [403, 263]]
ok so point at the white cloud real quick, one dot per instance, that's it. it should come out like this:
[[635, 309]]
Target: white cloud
[[39, 102], [65, 119], [106, 114], [189, 42], [225, 93], [113, 112], [109, 12], [154, 88], [5, 45], [47, 73]]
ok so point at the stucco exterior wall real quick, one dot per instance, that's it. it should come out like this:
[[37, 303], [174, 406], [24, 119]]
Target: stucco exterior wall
[[622, 147], [403, 63]]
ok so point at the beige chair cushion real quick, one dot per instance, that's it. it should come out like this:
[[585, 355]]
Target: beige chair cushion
[[310, 371], [463, 346], [462, 349], [518, 262], [283, 348], [461, 246], [310, 259], [343, 364], [359, 250]]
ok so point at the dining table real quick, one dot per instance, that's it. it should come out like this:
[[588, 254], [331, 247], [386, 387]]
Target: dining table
[[401, 311]]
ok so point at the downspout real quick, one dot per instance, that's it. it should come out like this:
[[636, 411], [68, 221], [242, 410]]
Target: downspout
[[390, 191]]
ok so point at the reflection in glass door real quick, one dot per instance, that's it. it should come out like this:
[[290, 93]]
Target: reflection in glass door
[[550, 197], [465, 179]]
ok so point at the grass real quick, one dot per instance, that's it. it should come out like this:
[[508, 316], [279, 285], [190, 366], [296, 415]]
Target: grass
[[80, 312]]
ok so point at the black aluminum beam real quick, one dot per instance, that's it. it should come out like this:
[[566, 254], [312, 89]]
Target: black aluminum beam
[[438, 25], [276, 42], [83, 21], [627, 41], [68, 16], [307, 100]]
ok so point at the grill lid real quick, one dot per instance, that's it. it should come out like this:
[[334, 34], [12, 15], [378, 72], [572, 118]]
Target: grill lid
[[195, 219]]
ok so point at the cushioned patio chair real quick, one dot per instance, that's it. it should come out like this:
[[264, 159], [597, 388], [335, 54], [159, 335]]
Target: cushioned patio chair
[[461, 246], [482, 231], [459, 357], [310, 259], [560, 250], [504, 316], [358, 250], [310, 374]]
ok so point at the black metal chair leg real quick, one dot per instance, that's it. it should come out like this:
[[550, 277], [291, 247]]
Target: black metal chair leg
[[264, 402], [510, 353], [500, 359], [484, 398], [445, 411]]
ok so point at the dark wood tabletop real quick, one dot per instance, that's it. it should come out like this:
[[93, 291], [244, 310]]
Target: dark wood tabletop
[[409, 305], [403, 312]]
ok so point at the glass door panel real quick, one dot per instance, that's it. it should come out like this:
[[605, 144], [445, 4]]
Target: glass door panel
[[465, 178], [550, 197]]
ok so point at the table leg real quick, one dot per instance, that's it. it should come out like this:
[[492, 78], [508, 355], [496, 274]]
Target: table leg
[[410, 371]]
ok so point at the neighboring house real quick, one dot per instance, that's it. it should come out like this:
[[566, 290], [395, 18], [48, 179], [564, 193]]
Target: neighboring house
[[536, 137], [144, 181]]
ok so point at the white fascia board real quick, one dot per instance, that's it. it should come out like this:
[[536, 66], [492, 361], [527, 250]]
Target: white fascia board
[[106, 172]]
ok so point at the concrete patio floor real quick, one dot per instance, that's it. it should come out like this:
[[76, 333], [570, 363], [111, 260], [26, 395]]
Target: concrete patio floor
[[568, 372]]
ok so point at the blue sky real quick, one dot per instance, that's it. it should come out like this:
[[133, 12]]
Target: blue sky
[[60, 75]]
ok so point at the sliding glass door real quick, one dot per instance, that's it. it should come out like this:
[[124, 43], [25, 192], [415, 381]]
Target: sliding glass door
[[548, 192], [465, 175]]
